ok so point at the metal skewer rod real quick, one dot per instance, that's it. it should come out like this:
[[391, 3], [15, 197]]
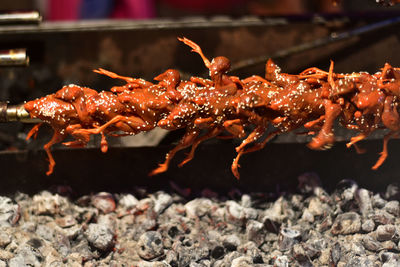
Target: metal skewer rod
[[13, 58], [334, 37], [28, 17], [9, 113]]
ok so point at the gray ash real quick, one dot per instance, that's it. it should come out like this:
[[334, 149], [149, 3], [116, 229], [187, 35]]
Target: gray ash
[[351, 226]]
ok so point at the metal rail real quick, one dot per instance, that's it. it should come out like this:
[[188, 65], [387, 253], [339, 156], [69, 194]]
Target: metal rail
[[332, 38]]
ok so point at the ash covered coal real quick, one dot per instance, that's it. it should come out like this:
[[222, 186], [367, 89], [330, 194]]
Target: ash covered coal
[[351, 226]]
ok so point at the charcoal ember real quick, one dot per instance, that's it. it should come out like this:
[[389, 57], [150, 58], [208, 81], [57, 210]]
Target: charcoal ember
[[198, 207], [360, 261], [307, 216], [49, 204], [251, 249], [167, 243], [66, 221], [144, 222], [217, 252], [184, 254], [86, 214], [171, 257], [271, 225], [308, 234], [152, 264], [220, 263], [201, 253], [81, 252], [319, 243], [202, 263], [313, 251], [73, 232], [46, 232], [276, 214], [5, 237], [392, 207], [308, 181], [62, 244], [364, 201], [150, 245], [26, 256], [392, 263], [84, 201], [125, 250], [161, 202], [214, 237], [382, 217], [23, 198], [346, 223], [307, 231], [245, 201], [114, 263], [242, 261], [386, 256], [297, 202], [127, 201], [300, 255], [389, 245], [282, 261], [9, 212], [385, 232], [392, 192], [346, 189], [231, 242], [324, 257], [35, 243], [174, 230], [255, 255], [51, 257], [108, 220], [6, 255], [374, 258], [378, 201], [322, 195], [255, 232], [317, 208], [368, 225], [239, 214], [287, 238], [28, 226], [270, 238], [91, 263], [104, 202], [357, 248], [326, 223], [227, 260], [175, 211], [144, 205], [100, 236], [273, 254], [336, 253], [188, 251], [370, 243]]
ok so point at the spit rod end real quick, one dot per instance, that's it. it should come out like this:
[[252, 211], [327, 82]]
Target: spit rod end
[[14, 57], [10, 113], [3, 112]]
